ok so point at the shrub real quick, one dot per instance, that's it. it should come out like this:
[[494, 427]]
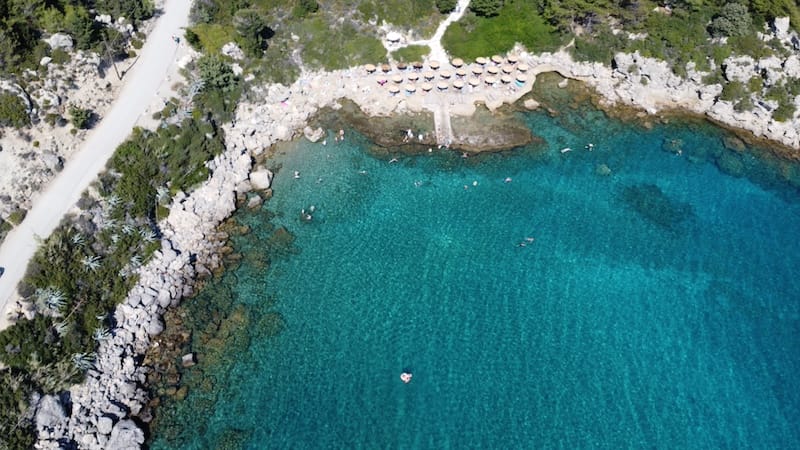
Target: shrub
[[12, 111], [59, 56], [784, 111], [81, 118], [733, 91], [486, 8], [305, 7], [253, 31], [16, 217], [411, 53], [446, 6], [216, 73]]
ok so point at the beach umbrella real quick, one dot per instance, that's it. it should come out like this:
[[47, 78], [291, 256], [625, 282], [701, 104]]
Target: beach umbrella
[[393, 89], [458, 84], [393, 36], [506, 79], [513, 59], [416, 65], [410, 88], [445, 74], [523, 67], [442, 86], [457, 62], [507, 68], [413, 76], [490, 80], [370, 68], [433, 64], [402, 66], [386, 67], [428, 75], [497, 59], [397, 79], [427, 87], [492, 70], [477, 70], [461, 72], [474, 81], [522, 78], [481, 60]]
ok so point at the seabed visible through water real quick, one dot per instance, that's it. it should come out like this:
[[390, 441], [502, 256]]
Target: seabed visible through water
[[641, 294]]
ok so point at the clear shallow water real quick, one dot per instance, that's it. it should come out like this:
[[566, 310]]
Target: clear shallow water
[[656, 307]]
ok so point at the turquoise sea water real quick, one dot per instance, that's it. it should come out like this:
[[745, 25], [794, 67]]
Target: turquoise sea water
[[658, 306]]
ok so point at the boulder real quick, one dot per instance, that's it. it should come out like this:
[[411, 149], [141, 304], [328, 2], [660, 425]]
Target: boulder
[[104, 425], [49, 413], [154, 327], [261, 179], [125, 435], [312, 134], [254, 202], [188, 360], [45, 61], [60, 40], [232, 51], [739, 68], [781, 27]]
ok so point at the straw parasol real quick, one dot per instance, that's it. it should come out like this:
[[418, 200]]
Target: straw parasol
[[490, 80], [370, 68], [512, 59], [442, 86], [410, 88], [492, 70], [523, 67], [416, 65], [481, 60], [506, 79], [445, 74], [507, 68], [413, 76], [461, 72], [457, 62], [386, 67], [458, 84], [477, 70], [521, 77], [473, 81], [427, 87], [394, 89], [433, 64], [402, 66], [397, 79], [497, 59], [428, 75]]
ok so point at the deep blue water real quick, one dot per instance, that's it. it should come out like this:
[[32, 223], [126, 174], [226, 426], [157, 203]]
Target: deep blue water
[[658, 306]]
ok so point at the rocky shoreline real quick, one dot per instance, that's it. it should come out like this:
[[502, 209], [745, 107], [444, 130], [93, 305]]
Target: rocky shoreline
[[110, 409]]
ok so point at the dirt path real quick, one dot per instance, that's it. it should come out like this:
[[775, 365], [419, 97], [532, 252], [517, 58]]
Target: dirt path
[[141, 84]]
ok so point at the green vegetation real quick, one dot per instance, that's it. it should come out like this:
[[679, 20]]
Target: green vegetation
[[517, 21], [81, 118], [446, 6], [486, 8], [411, 53], [23, 23], [12, 111]]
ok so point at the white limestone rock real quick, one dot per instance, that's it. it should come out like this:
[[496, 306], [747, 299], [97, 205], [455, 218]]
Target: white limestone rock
[[739, 68], [232, 50], [60, 40], [125, 435], [104, 425], [49, 414]]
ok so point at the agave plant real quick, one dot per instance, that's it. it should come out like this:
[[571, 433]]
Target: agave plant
[[128, 228], [162, 194], [77, 239], [111, 222], [84, 361], [113, 200], [114, 238], [147, 234], [49, 301], [62, 328], [91, 262], [101, 334], [136, 262]]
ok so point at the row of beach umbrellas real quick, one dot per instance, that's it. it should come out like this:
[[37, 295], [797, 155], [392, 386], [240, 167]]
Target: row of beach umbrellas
[[458, 84], [505, 65]]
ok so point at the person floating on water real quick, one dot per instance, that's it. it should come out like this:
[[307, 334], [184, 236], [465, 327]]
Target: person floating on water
[[406, 376]]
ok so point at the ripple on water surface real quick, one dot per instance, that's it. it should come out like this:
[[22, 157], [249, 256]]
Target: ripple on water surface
[[625, 297]]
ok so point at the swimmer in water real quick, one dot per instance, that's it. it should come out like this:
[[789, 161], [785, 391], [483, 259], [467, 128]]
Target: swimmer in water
[[406, 377], [296, 174], [507, 180]]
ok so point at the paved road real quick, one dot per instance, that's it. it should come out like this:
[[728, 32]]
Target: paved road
[[141, 84]]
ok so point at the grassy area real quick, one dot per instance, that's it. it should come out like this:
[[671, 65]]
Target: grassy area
[[421, 16], [411, 53], [340, 47], [214, 36], [518, 21]]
